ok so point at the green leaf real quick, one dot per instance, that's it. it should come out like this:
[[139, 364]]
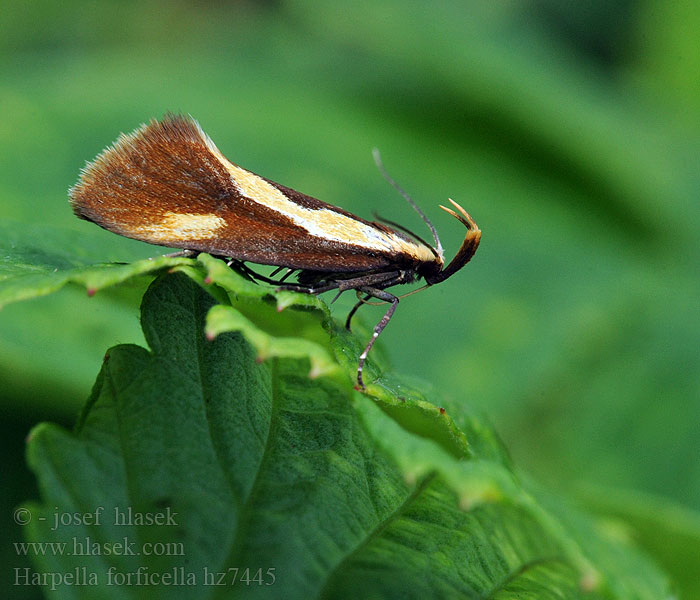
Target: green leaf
[[40, 261], [575, 147], [224, 318], [37, 261], [406, 404], [260, 467], [668, 532]]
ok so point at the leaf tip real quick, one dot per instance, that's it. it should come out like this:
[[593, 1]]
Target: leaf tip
[[284, 300]]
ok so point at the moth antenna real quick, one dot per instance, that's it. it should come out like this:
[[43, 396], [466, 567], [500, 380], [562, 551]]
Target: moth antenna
[[400, 190], [420, 289]]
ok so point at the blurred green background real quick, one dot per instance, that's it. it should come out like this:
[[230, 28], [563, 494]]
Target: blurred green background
[[570, 131]]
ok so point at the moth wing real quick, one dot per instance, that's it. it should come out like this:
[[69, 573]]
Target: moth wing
[[168, 184]]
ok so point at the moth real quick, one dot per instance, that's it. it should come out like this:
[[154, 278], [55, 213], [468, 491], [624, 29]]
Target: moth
[[168, 184]]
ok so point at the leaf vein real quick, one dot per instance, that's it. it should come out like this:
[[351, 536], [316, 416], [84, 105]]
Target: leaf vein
[[379, 529]]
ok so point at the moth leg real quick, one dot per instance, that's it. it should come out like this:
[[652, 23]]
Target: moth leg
[[387, 297], [279, 270], [354, 310], [181, 253], [242, 269], [384, 279], [395, 278], [307, 289], [254, 275], [287, 274]]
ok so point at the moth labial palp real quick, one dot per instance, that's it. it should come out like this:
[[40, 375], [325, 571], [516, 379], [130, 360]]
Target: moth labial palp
[[168, 184]]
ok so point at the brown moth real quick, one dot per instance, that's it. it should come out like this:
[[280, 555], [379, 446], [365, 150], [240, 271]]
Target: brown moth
[[168, 184]]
